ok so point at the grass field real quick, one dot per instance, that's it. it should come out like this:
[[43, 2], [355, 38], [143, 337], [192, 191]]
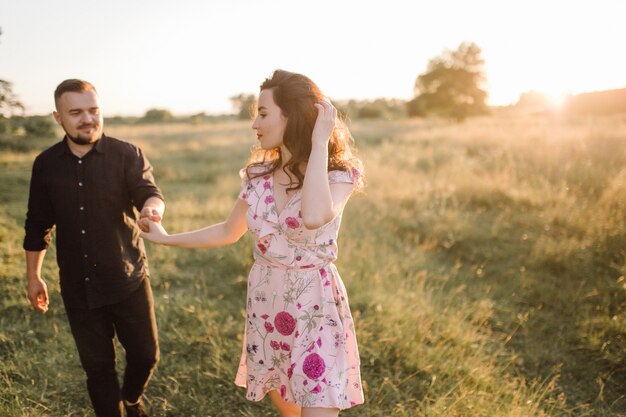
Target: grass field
[[485, 264]]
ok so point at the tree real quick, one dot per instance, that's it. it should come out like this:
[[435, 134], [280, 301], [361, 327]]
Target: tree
[[41, 126], [244, 103], [451, 86], [380, 108], [8, 104], [157, 115], [8, 100]]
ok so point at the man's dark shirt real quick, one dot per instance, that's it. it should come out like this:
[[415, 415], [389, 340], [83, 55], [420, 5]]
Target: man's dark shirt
[[100, 254]]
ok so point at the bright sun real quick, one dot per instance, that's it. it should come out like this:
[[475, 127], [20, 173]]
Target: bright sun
[[556, 98]]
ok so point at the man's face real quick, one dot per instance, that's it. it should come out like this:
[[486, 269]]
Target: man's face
[[79, 115]]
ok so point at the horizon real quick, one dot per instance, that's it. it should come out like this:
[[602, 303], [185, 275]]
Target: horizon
[[192, 57], [548, 102]]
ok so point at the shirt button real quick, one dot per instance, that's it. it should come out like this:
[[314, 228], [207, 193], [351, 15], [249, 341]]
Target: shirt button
[[85, 255], [80, 161], [87, 279], [82, 208], [80, 184], [83, 231]]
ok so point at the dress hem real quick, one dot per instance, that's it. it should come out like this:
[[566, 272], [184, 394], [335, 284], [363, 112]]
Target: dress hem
[[292, 402]]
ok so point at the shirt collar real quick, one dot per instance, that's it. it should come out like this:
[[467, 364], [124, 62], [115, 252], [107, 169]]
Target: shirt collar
[[99, 146]]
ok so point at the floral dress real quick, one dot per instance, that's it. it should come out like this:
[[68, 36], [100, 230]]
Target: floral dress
[[299, 338]]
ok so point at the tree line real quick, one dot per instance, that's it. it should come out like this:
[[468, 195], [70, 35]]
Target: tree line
[[452, 87]]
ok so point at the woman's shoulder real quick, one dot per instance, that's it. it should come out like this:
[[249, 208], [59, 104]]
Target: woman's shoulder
[[255, 170]]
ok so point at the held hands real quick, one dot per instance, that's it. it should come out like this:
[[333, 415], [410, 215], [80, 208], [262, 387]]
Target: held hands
[[325, 122], [155, 232], [148, 214]]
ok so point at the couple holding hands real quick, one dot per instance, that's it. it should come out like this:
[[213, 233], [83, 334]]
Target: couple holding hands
[[299, 346]]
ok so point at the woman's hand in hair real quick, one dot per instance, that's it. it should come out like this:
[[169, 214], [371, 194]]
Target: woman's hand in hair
[[325, 122]]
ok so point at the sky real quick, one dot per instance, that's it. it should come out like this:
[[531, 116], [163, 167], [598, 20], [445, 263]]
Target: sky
[[191, 56]]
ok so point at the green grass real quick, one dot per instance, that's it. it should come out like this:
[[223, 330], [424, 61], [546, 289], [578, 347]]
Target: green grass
[[485, 265]]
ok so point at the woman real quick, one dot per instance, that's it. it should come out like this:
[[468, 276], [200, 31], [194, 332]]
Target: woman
[[299, 344]]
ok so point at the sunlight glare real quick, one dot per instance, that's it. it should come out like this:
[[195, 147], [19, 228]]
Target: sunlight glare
[[556, 98]]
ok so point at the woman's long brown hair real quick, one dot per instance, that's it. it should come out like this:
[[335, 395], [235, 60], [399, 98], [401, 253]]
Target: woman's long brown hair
[[296, 95]]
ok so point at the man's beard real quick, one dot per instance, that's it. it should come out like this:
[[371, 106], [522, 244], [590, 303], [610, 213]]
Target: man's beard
[[78, 140]]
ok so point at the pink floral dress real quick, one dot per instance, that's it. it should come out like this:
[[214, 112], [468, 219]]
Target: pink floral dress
[[299, 338]]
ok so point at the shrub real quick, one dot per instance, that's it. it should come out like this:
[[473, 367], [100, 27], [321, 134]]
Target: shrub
[[38, 126]]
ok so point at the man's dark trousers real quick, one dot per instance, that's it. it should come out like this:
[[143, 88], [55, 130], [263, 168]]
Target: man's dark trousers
[[133, 321]]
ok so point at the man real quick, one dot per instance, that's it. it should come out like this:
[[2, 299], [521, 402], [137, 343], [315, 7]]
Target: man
[[88, 185]]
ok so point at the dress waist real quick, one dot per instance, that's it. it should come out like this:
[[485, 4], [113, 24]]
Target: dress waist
[[296, 266]]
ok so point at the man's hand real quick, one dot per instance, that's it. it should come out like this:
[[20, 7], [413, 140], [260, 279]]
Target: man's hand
[[151, 214], [152, 210], [148, 213], [38, 294]]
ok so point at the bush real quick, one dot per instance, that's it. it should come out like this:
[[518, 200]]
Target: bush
[[370, 111], [5, 126], [381, 108], [158, 115], [38, 126]]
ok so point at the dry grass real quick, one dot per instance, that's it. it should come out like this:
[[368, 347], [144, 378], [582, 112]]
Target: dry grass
[[485, 267]]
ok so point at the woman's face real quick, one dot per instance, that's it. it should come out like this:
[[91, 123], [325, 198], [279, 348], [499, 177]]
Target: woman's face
[[269, 123]]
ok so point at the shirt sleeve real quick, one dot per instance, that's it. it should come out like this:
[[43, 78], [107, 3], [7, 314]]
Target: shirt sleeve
[[351, 177], [40, 216], [245, 185], [139, 178]]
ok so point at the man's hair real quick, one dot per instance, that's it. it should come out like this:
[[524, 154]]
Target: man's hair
[[72, 85]]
